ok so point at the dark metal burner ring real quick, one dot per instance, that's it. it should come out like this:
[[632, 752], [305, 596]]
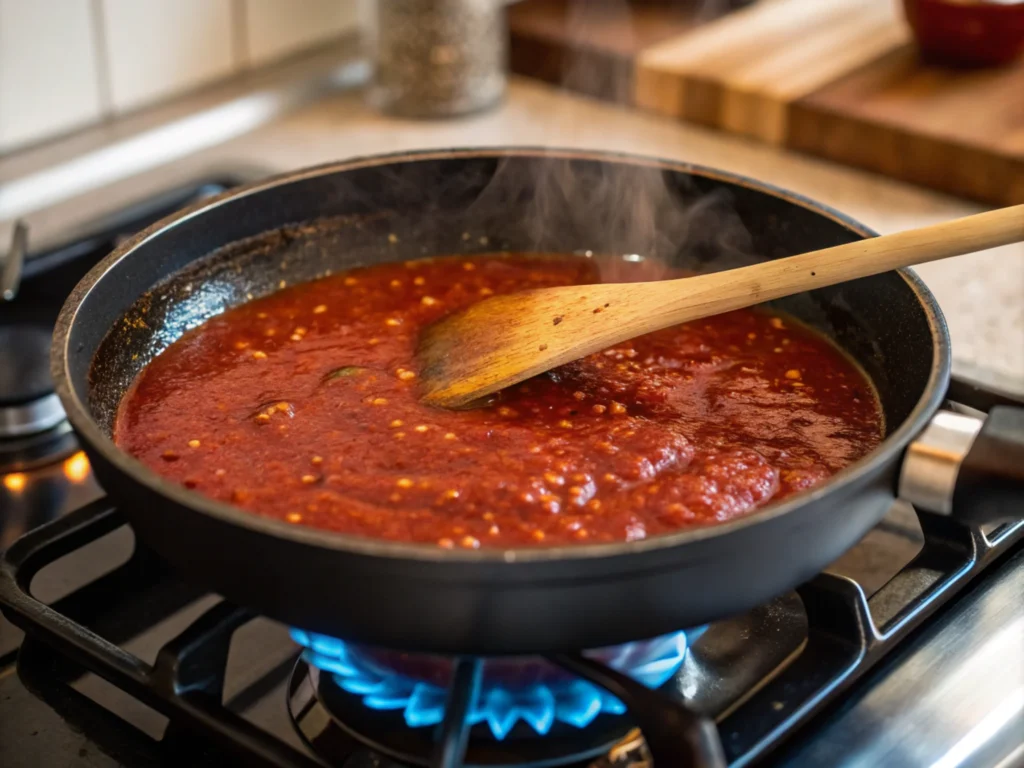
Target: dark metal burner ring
[[325, 715]]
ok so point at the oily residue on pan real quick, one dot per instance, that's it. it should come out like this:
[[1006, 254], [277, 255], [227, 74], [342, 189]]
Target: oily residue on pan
[[303, 406]]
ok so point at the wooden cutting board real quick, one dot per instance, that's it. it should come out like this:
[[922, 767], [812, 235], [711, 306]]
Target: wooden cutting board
[[839, 79], [958, 132], [591, 46]]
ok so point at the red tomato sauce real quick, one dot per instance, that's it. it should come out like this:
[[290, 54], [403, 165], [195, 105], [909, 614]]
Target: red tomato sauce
[[303, 406]]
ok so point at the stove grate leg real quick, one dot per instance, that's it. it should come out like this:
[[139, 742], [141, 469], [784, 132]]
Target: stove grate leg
[[465, 687]]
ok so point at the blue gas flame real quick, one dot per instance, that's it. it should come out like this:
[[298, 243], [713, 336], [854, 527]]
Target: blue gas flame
[[540, 705]]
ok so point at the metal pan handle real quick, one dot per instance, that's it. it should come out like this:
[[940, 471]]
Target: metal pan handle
[[969, 468]]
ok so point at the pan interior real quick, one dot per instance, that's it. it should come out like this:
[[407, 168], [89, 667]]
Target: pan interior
[[251, 245]]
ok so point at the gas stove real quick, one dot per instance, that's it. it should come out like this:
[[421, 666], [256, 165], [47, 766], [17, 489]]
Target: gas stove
[[905, 652], [43, 475]]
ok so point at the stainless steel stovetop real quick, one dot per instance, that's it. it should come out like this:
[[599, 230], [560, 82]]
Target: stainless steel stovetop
[[909, 652]]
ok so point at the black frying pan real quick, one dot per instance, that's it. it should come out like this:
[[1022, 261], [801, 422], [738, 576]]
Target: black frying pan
[[417, 597]]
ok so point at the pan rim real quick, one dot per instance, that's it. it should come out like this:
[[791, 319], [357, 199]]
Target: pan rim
[[96, 438]]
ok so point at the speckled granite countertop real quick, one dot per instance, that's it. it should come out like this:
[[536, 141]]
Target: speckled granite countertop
[[982, 295]]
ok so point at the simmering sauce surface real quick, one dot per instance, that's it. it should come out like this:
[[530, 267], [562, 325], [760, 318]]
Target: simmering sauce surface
[[303, 406]]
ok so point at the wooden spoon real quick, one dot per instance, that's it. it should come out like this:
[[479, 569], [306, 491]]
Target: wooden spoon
[[503, 340]]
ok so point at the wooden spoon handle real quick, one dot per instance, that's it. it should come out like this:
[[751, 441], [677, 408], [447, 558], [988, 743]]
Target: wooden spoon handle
[[747, 286], [506, 339]]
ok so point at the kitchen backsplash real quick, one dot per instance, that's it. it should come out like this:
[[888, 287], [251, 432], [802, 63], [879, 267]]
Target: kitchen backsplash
[[65, 64]]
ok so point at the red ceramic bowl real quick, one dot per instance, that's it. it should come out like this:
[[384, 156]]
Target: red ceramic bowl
[[968, 32]]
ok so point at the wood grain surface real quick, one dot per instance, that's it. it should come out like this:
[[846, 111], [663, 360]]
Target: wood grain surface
[[591, 47], [959, 131], [838, 79], [742, 72]]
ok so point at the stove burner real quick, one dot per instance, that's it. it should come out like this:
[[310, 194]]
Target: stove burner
[[33, 287], [31, 417], [762, 676], [29, 451], [512, 690], [27, 402], [328, 717]]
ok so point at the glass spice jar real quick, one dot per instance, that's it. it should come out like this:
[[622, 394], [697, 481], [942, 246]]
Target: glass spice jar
[[439, 58]]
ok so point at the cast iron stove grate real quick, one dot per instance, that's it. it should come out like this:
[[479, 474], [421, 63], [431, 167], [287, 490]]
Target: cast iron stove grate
[[831, 635]]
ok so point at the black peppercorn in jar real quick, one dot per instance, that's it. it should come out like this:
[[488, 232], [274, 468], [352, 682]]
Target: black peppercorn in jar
[[438, 58]]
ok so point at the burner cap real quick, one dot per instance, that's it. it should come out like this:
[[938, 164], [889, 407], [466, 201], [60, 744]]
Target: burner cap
[[24, 359], [20, 454], [28, 404], [31, 417]]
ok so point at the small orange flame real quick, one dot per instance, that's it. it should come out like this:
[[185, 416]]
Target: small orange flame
[[76, 468], [15, 482]]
